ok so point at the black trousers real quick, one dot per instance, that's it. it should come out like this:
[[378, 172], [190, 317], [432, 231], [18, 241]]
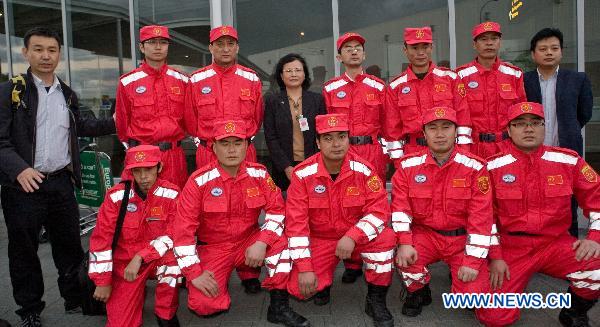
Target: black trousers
[[574, 230], [53, 206]]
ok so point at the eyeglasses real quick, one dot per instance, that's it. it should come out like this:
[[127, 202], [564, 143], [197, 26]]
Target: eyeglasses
[[524, 124], [357, 49], [154, 42], [295, 70]]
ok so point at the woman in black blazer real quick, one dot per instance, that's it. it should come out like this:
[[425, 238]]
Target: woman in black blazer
[[289, 123]]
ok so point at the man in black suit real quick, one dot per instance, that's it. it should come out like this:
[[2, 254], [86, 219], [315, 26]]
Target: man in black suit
[[565, 94]]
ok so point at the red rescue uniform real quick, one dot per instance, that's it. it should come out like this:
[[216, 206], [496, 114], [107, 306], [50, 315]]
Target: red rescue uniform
[[320, 211], [407, 98], [362, 100], [222, 213], [445, 213], [533, 212], [147, 232], [218, 93], [149, 110], [489, 94]]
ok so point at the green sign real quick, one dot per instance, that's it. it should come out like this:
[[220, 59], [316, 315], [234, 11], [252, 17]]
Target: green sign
[[96, 178]]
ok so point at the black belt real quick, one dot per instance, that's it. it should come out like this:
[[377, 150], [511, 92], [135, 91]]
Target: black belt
[[417, 140], [492, 137], [521, 234], [163, 146], [359, 140], [456, 232], [57, 172]]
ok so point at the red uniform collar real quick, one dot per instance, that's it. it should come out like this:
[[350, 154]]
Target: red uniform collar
[[225, 176], [520, 154], [222, 70], [412, 75], [153, 71], [480, 68]]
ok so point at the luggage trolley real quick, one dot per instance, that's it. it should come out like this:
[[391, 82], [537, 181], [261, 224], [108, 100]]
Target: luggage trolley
[[96, 179]]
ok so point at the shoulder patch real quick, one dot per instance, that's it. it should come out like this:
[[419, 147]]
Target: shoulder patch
[[560, 157], [501, 161], [360, 167], [373, 83], [444, 73], [207, 177], [510, 71], [468, 162], [197, 77], [254, 172], [589, 173], [165, 192], [247, 75], [398, 81], [413, 161], [335, 85], [307, 171], [133, 77], [469, 70], [177, 75]]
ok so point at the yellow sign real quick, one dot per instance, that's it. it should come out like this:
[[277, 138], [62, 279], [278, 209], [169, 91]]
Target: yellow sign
[[514, 10]]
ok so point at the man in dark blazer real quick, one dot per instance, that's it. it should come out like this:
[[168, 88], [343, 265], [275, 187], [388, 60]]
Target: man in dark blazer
[[565, 94]]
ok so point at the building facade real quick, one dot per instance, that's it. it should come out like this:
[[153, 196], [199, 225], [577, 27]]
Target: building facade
[[101, 39]]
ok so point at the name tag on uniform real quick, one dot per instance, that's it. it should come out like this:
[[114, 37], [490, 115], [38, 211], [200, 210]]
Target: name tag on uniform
[[303, 123]]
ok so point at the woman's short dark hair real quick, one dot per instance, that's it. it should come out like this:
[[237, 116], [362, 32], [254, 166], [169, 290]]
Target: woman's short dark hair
[[286, 60], [544, 34], [41, 31]]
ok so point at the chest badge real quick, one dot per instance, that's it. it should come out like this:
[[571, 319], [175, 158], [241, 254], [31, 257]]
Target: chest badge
[[320, 189], [252, 192], [175, 90], [245, 92], [156, 211], [473, 84], [352, 190], [341, 94], [370, 97], [217, 191], [440, 88], [406, 90], [509, 178], [131, 207], [506, 87], [206, 90], [555, 180], [140, 89], [420, 178]]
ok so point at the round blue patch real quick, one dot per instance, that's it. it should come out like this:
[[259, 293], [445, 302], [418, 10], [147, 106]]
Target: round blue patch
[[217, 191], [509, 178], [406, 90], [131, 207], [140, 89], [341, 94], [420, 178], [320, 189], [206, 90], [473, 84]]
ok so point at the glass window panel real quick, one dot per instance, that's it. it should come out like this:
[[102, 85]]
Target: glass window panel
[[592, 69], [3, 59], [382, 24]]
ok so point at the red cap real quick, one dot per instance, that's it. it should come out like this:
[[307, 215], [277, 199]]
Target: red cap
[[485, 27], [418, 35], [221, 31], [349, 37], [332, 123], [439, 113], [227, 128], [152, 31], [142, 156], [523, 108]]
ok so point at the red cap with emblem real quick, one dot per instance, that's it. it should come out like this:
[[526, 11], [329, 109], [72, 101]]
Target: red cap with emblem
[[221, 31], [439, 113], [523, 108], [418, 35], [227, 128], [349, 37], [484, 28], [152, 31], [142, 156], [332, 123]]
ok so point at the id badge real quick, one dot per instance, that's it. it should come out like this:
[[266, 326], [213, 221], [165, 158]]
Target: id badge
[[303, 123]]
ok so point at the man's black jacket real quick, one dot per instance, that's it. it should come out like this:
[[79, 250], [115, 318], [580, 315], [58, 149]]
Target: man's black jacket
[[17, 131]]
